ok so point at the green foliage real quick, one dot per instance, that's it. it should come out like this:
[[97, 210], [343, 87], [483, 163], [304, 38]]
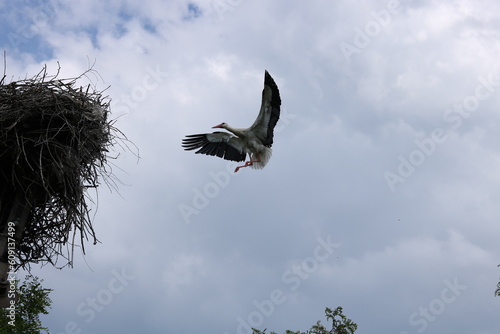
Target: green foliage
[[340, 325], [33, 301]]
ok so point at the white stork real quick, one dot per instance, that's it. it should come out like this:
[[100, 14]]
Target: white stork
[[256, 141]]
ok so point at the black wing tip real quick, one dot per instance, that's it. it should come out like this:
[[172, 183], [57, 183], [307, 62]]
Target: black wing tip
[[268, 77], [269, 81], [192, 142]]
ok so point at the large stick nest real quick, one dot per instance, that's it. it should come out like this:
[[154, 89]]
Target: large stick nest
[[54, 141]]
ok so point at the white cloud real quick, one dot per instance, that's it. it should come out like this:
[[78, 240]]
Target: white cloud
[[352, 120], [182, 270]]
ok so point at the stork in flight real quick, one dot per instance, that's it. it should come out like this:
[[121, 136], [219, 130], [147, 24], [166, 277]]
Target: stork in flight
[[256, 141]]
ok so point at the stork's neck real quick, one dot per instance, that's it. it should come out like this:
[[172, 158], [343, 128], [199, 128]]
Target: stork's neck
[[238, 132]]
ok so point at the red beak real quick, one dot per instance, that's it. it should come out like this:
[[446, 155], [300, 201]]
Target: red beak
[[217, 126]]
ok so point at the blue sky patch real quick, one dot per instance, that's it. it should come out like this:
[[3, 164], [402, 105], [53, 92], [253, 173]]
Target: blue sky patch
[[193, 11]]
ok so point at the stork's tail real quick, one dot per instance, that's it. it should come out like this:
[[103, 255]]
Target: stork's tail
[[264, 157]]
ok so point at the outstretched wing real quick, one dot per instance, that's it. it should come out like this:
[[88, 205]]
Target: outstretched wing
[[221, 144], [269, 114]]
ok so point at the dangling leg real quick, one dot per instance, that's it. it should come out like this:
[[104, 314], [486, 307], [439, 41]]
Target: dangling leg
[[248, 163]]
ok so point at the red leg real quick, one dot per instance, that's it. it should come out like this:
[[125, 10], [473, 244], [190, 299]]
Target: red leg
[[248, 163]]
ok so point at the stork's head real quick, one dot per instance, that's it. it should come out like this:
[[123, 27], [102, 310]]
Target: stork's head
[[221, 125]]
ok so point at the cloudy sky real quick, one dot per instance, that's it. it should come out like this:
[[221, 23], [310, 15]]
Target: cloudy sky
[[381, 196]]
